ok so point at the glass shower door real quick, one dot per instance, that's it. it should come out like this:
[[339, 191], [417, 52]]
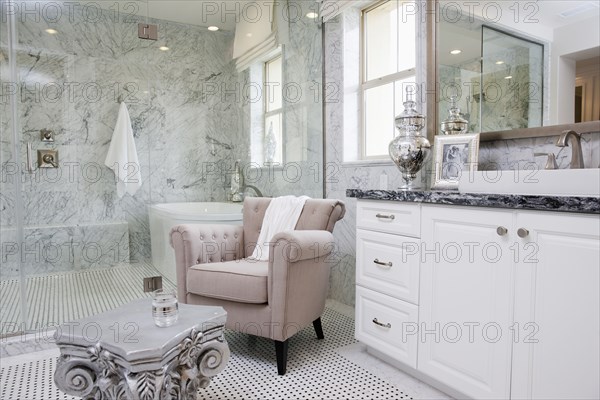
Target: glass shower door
[[78, 251], [13, 305]]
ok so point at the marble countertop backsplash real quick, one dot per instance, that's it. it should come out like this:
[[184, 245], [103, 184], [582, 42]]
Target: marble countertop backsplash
[[589, 205]]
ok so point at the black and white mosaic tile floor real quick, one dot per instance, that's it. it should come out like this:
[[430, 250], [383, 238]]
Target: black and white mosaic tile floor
[[317, 369], [65, 296]]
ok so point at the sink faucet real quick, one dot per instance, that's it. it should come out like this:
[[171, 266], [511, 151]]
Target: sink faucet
[[574, 139]]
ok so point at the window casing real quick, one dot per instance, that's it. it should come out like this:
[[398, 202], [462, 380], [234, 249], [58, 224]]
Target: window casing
[[388, 66], [273, 115]]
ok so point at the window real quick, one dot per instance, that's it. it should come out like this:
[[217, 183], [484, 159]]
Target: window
[[388, 67], [273, 121]]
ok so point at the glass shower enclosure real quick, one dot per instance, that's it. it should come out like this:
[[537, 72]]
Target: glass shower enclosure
[[67, 248], [70, 246]]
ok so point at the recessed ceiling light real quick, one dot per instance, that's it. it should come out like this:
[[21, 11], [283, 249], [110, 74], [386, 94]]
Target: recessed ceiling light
[[455, 52], [589, 6], [312, 15], [508, 77], [213, 28], [248, 35], [51, 31], [163, 48], [499, 62]]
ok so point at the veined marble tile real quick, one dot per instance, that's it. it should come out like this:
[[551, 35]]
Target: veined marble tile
[[95, 61], [102, 245]]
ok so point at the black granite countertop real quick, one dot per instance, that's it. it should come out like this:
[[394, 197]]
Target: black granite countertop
[[590, 205]]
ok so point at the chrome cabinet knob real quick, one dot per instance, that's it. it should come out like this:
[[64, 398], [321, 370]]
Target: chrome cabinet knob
[[522, 232], [501, 231]]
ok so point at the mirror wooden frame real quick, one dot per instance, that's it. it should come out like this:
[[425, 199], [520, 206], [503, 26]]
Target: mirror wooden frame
[[432, 96]]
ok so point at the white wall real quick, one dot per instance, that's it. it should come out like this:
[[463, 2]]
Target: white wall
[[571, 43]]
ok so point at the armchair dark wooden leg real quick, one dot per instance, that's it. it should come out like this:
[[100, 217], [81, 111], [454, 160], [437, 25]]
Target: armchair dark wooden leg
[[281, 348], [318, 328]]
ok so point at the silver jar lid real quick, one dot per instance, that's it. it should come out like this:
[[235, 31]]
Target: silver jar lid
[[410, 119]]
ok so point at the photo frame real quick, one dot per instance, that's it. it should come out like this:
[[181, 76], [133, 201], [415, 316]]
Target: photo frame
[[454, 155]]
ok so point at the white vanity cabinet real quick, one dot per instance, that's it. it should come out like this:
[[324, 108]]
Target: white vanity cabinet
[[387, 277], [508, 301]]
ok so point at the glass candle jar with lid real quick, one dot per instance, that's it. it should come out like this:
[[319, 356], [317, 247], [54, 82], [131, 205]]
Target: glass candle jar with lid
[[454, 124], [409, 150]]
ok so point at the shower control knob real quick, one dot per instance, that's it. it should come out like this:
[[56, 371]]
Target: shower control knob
[[46, 135], [522, 233]]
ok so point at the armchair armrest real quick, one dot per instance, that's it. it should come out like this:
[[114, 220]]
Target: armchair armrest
[[303, 245], [298, 281], [203, 243]]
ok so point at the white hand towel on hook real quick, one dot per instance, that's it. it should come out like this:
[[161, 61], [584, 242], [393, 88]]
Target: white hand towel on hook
[[122, 156]]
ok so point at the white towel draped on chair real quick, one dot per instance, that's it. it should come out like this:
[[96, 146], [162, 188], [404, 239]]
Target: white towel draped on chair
[[122, 156], [281, 215]]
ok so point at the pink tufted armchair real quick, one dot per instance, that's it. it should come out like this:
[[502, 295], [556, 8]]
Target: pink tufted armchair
[[275, 298]]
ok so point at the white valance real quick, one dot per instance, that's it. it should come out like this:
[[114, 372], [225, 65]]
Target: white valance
[[332, 8], [259, 33]]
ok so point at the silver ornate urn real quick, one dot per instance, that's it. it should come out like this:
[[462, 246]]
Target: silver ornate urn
[[409, 150], [455, 124]]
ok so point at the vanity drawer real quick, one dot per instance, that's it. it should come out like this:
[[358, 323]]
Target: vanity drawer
[[388, 264], [390, 217], [386, 324]]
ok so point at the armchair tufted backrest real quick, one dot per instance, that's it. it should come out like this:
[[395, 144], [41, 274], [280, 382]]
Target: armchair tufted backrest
[[317, 214]]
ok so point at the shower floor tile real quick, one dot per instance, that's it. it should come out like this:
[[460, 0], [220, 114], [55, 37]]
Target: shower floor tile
[[65, 296]]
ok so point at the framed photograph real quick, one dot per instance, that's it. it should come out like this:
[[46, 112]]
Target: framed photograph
[[454, 155]]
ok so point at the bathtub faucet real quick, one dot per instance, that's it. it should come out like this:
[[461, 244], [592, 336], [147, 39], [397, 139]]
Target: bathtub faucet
[[238, 187], [256, 190]]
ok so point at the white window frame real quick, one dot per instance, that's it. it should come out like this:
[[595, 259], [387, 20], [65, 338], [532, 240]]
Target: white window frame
[[280, 110], [376, 82]]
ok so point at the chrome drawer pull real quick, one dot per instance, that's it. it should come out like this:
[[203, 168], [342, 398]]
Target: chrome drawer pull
[[385, 264], [391, 216], [388, 325]]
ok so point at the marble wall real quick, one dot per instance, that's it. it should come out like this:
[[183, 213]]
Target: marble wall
[[191, 117], [187, 129], [341, 61]]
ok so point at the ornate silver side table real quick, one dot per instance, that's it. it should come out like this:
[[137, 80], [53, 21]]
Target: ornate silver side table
[[121, 354]]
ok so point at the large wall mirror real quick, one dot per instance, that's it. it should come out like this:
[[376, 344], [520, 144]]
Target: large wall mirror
[[516, 65]]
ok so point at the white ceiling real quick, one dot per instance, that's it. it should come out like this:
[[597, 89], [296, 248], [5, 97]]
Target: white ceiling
[[221, 13], [197, 12]]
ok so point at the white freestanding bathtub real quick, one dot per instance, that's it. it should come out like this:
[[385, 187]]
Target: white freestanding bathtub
[[165, 216]]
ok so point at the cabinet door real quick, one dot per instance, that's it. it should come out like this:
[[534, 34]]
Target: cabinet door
[[557, 309], [466, 299]]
